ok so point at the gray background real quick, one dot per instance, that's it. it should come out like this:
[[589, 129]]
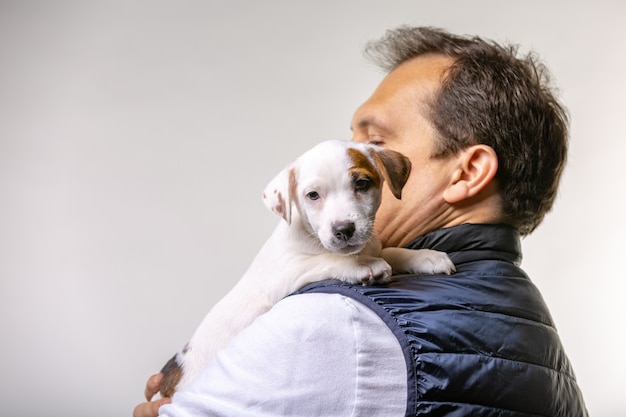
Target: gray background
[[136, 138]]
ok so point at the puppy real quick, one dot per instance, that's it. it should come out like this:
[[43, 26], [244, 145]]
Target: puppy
[[327, 199]]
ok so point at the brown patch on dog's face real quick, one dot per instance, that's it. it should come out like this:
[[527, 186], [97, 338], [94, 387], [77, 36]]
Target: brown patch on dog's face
[[362, 167]]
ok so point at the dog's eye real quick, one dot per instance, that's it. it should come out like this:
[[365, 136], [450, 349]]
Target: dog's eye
[[312, 195], [362, 184]]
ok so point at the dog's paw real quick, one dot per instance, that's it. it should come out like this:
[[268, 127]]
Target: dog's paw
[[420, 261], [364, 270], [374, 270], [428, 261]]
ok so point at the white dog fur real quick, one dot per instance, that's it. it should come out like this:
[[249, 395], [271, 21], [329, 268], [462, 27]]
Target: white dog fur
[[328, 199]]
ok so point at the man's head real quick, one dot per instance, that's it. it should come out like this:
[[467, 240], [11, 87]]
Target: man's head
[[478, 110]]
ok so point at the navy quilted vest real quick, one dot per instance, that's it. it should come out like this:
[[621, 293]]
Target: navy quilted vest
[[480, 342]]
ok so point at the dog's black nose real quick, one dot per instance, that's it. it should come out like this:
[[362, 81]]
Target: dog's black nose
[[343, 230]]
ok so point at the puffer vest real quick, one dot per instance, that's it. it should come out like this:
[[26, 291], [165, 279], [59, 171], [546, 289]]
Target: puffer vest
[[480, 342]]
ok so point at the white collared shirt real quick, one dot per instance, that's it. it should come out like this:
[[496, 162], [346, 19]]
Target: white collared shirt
[[311, 355]]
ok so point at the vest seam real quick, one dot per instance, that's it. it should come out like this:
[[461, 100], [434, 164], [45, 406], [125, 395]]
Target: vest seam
[[558, 371]]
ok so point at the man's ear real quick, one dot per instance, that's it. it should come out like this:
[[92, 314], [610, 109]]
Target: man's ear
[[476, 168]]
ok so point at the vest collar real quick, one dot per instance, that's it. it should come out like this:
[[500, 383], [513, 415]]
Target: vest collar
[[472, 242]]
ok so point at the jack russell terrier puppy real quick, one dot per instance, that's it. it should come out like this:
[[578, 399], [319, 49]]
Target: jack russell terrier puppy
[[327, 198]]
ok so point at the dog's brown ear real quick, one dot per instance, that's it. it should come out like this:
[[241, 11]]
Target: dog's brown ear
[[395, 168], [279, 193]]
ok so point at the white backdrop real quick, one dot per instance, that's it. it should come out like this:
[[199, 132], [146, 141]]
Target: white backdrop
[[136, 138]]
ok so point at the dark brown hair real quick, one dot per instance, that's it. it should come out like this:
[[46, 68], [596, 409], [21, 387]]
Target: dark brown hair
[[492, 96]]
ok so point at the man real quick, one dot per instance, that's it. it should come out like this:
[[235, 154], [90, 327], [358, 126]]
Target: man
[[488, 143]]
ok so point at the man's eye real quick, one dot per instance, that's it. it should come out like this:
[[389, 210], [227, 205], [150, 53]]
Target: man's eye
[[312, 195], [362, 184]]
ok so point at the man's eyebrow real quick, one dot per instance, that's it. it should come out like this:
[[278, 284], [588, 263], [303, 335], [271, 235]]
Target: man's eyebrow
[[368, 122], [362, 124]]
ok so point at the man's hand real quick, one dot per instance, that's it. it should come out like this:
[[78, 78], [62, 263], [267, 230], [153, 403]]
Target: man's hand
[[151, 408]]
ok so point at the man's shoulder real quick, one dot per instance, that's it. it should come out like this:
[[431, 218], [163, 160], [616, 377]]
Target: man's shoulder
[[321, 306]]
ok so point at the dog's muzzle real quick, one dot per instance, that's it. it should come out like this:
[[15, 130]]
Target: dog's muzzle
[[344, 238]]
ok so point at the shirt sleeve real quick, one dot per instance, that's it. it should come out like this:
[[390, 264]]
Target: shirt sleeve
[[310, 355]]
